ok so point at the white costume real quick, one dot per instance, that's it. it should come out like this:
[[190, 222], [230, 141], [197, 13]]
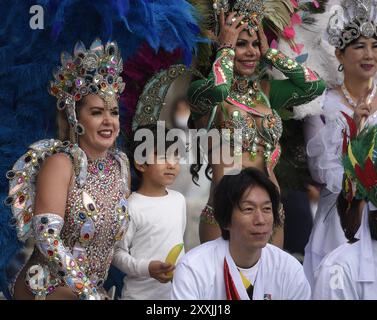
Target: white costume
[[350, 271], [200, 275], [324, 149], [156, 225]]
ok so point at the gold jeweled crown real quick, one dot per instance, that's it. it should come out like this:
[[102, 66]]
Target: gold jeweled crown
[[250, 9], [96, 70]]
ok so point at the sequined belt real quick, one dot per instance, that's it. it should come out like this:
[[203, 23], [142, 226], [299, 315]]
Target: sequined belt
[[243, 130]]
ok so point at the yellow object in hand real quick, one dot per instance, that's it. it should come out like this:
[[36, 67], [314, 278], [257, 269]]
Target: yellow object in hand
[[172, 256]]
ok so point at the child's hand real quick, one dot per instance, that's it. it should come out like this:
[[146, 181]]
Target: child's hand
[[158, 270]]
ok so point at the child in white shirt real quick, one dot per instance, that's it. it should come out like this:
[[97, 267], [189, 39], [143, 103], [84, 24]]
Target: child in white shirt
[[157, 224]]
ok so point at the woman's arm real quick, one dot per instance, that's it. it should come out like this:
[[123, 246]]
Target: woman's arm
[[50, 202], [52, 185], [302, 85], [205, 94]]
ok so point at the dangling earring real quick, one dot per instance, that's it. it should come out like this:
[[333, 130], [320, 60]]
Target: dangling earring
[[341, 67]]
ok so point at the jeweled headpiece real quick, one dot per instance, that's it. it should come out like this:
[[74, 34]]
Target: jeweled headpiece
[[250, 9], [96, 70], [352, 19]]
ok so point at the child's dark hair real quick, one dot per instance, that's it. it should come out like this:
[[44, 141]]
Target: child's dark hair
[[157, 143], [230, 191]]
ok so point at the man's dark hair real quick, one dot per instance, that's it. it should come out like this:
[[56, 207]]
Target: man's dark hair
[[373, 224], [349, 215], [230, 191]]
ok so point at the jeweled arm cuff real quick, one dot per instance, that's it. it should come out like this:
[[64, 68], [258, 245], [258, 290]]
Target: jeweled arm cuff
[[222, 68], [207, 216], [46, 228], [207, 93], [288, 66]]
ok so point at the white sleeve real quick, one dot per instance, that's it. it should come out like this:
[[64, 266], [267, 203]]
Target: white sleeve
[[333, 283], [298, 287], [324, 149], [184, 216], [310, 108], [122, 258], [185, 285], [311, 126]]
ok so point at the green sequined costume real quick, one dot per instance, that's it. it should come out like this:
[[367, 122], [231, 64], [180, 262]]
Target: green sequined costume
[[302, 85], [208, 96]]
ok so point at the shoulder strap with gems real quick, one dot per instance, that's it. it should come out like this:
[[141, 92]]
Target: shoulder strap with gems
[[23, 176], [124, 163]]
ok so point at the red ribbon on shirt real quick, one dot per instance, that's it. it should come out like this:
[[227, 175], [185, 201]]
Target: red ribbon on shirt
[[230, 288]]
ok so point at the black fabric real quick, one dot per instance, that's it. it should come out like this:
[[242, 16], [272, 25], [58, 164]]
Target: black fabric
[[250, 291], [298, 221]]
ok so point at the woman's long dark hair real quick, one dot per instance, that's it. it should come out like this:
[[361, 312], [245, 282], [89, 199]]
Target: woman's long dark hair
[[196, 167]]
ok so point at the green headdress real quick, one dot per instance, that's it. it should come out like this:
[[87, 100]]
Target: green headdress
[[359, 161]]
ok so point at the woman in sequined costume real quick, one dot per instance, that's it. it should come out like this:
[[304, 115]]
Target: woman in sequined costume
[[79, 208], [233, 97]]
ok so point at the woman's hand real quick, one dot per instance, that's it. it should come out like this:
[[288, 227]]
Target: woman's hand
[[263, 43], [229, 29], [362, 110]]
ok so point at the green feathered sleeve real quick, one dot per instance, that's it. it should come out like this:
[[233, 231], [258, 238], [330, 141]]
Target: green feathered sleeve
[[205, 94], [302, 85]]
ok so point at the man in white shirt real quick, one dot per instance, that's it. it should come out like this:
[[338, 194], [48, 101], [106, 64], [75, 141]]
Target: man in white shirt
[[241, 265], [350, 271]]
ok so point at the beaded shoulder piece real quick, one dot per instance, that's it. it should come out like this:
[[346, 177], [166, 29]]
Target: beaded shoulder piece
[[22, 178]]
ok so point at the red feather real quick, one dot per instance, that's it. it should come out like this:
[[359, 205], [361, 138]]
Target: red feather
[[345, 142], [350, 191], [360, 175], [351, 124], [230, 288], [370, 173]]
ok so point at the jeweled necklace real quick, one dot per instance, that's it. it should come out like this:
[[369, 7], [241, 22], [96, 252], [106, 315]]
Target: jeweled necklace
[[352, 103], [100, 166], [247, 91]]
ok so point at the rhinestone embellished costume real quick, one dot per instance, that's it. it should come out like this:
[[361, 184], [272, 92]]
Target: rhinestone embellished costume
[[96, 217], [246, 95], [223, 85], [223, 89], [96, 207]]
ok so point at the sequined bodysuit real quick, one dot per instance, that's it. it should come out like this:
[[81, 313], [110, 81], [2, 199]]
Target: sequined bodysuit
[[93, 217], [230, 102], [224, 87], [96, 216], [245, 97]]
